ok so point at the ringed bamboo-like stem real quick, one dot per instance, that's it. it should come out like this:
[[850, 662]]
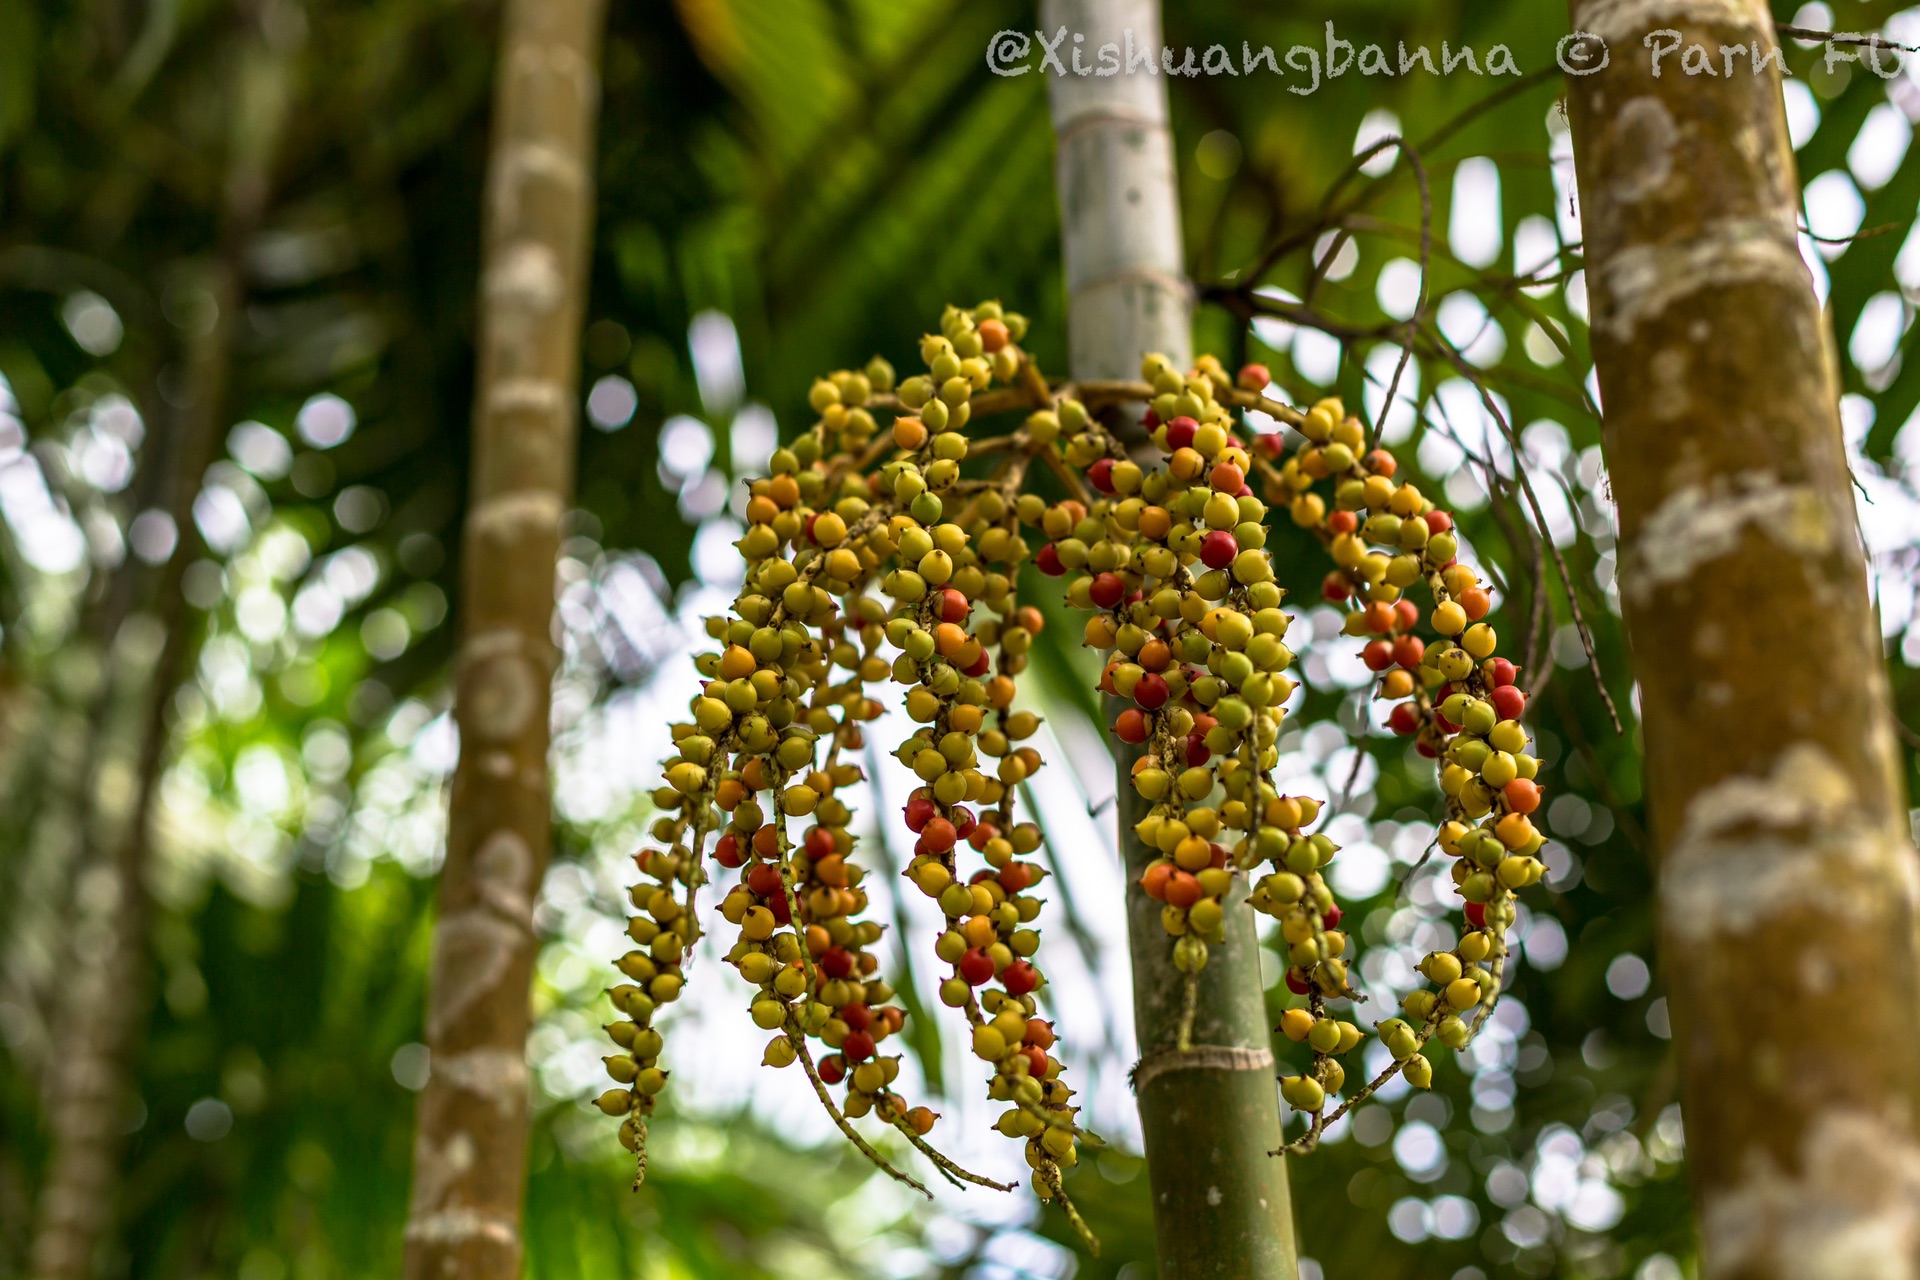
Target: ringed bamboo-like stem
[[470, 1138], [1209, 1115]]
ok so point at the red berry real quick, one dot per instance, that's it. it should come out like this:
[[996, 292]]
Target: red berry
[[963, 821], [833, 1069], [727, 851], [1131, 726], [981, 665], [858, 1017], [1438, 521], [782, 911], [1378, 655], [1047, 560], [1403, 720], [920, 811], [954, 606], [819, 843], [1198, 753], [1408, 650], [1020, 978], [1476, 914], [1380, 462], [1502, 672], [1180, 432], [1297, 982], [1508, 702], [1335, 588], [764, 879], [1253, 377], [1107, 590], [1100, 475], [836, 962], [1151, 692], [1343, 522], [1015, 876], [1218, 549], [1331, 916], [1426, 749], [1406, 614], [938, 835], [857, 1047], [976, 966]]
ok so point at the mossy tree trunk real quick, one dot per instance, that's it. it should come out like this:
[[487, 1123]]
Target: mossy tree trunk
[[1786, 872], [1210, 1115], [470, 1143]]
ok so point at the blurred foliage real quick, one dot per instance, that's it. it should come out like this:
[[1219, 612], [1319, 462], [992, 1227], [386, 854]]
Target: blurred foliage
[[784, 188]]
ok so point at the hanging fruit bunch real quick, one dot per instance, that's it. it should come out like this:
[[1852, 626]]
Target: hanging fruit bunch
[[885, 547], [1451, 693]]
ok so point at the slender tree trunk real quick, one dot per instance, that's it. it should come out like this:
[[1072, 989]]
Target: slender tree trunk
[[1787, 875], [103, 1000], [1210, 1115], [469, 1158]]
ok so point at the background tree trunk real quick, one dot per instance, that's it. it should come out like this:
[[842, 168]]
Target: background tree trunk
[[1221, 1207], [1787, 873], [469, 1160], [102, 1003]]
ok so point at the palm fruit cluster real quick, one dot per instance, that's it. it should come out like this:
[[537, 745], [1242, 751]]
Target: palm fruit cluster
[[885, 545], [962, 640], [1451, 694], [871, 558]]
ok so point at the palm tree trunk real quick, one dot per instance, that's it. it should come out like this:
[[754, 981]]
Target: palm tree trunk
[[469, 1159], [1210, 1115], [103, 1001], [1786, 874]]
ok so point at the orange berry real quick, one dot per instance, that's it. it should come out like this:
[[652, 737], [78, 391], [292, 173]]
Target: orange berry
[[737, 664], [1522, 795], [909, 433], [949, 638]]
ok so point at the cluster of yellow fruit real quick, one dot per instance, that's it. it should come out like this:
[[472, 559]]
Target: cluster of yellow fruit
[[1453, 696], [871, 558], [886, 544]]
